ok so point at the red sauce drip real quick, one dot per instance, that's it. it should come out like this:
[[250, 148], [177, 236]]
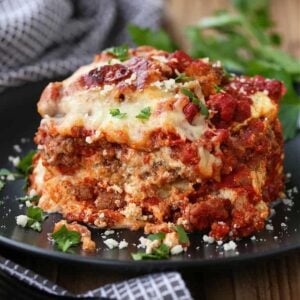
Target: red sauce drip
[[109, 74]]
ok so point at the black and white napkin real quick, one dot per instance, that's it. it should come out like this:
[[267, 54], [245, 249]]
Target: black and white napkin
[[45, 39], [168, 285]]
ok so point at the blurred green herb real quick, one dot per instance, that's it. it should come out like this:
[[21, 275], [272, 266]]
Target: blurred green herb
[[245, 42], [145, 36], [120, 52], [2, 185], [181, 77]]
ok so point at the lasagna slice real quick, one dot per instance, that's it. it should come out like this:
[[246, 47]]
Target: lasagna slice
[[160, 139]]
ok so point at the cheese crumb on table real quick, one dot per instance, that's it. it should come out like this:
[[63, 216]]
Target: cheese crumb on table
[[230, 246], [111, 243], [22, 220]]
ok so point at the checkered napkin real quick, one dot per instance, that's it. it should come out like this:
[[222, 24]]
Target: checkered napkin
[[45, 39], [155, 286]]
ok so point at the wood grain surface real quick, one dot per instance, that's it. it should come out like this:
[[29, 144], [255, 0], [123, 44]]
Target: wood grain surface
[[273, 278]]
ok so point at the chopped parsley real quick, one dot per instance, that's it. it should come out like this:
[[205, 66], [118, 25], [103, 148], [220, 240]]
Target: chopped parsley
[[34, 218], [64, 238], [162, 252], [115, 112], [120, 52], [182, 235], [218, 89], [195, 100], [144, 114], [25, 166], [156, 236], [182, 77], [26, 198]]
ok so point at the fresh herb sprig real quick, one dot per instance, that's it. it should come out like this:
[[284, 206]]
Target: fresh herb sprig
[[195, 100], [162, 252], [182, 77], [120, 52], [64, 238], [33, 218], [144, 114], [25, 166], [182, 235], [32, 199], [115, 112]]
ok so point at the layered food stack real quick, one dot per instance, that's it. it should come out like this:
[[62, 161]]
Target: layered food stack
[[151, 139]]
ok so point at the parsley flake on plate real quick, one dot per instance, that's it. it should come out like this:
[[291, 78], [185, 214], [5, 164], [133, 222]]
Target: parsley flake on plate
[[115, 112], [195, 100], [34, 198], [182, 235], [144, 114], [25, 166], [162, 252], [120, 52], [2, 185], [64, 238], [33, 218], [156, 236]]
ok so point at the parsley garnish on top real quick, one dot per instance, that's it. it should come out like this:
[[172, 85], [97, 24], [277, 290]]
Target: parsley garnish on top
[[120, 52], [181, 77], [144, 114], [115, 112], [218, 89], [195, 100], [64, 238]]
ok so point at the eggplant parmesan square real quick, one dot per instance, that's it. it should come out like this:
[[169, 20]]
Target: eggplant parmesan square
[[159, 139]]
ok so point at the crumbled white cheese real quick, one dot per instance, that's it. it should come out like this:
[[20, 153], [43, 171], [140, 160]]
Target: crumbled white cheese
[[14, 160], [152, 245], [160, 58], [253, 238], [176, 250], [208, 239], [269, 227], [101, 215], [88, 140], [10, 177], [288, 202], [123, 244], [130, 79], [106, 89], [283, 224], [28, 203], [32, 193], [143, 242], [22, 220], [109, 232], [230, 246], [111, 243], [17, 148], [220, 243]]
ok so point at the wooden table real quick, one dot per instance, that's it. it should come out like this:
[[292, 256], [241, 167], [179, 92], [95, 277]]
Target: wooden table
[[275, 278]]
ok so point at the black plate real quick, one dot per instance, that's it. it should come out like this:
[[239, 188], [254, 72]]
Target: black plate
[[18, 119]]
